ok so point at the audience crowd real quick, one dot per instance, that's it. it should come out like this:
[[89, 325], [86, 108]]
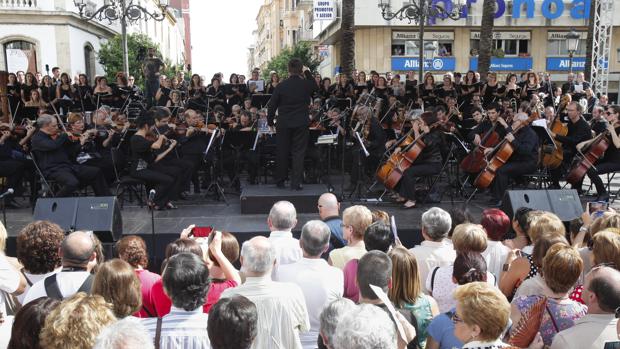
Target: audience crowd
[[527, 281]]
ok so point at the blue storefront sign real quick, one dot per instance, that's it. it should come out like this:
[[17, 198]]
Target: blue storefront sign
[[435, 64], [562, 63], [505, 64]]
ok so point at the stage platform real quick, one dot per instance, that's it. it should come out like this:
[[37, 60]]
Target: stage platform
[[258, 199]]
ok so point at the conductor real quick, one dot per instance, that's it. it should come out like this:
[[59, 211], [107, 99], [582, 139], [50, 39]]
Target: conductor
[[292, 98]]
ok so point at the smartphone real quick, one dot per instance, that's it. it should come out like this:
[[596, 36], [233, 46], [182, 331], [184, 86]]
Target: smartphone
[[597, 206], [201, 232]]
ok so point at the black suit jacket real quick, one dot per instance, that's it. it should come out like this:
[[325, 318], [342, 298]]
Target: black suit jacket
[[291, 98]]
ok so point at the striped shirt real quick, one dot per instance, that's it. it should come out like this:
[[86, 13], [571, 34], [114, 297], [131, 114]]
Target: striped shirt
[[181, 329]]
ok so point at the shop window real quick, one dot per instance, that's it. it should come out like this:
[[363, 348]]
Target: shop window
[[20, 55], [509, 47]]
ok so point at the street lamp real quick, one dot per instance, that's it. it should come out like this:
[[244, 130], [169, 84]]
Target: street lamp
[[429, 53], [419, 11], [125, 11], [572, 43]]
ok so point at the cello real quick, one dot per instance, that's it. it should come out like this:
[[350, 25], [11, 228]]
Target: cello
[[582, 162], [555, 158], [475, 162], [499, 156]]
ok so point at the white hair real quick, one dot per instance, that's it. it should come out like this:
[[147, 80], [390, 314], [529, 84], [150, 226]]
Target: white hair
[[331, 316], [365, 327], [128, 333], [257, 257], [437, 223], [283, 215]]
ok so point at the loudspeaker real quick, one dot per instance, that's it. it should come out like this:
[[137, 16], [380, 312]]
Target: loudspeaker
[[100, 214], [564, 203]]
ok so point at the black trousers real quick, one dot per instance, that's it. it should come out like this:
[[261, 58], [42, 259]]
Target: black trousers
[[293, 142], [512, 169], [183, 170], [601, 168], [362, 165], [14, 171], [556, 173], [197, 162], [406, 186], [163, 184], [71, 178]]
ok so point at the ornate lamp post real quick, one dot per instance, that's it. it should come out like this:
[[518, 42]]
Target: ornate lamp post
[[419, 11], [572, 43], [123, 11]]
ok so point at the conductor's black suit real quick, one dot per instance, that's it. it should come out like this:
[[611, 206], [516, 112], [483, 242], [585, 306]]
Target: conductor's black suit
[[291, 98]]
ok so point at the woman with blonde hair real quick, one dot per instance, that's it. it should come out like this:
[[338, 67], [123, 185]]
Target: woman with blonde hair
[[355, 220], [119, 285], [76, 322], [406, 292]]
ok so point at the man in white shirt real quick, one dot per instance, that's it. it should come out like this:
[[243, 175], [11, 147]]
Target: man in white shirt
[[320, 283], [281, 306], [282, 219], [186, 281], [435, 250], [601, 293], [78, 256]]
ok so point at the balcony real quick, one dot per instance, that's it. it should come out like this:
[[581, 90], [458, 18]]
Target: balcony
[[20, 4]]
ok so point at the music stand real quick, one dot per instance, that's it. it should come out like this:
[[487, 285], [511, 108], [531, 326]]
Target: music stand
[[30, 113], [344, 103], [544, 137], [260, 100], [215, 182], [239, 141]]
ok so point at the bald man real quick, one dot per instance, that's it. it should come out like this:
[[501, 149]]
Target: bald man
[[329, 211], [78, 255]]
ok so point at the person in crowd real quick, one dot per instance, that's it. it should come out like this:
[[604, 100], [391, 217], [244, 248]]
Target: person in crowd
[[435, 250], [331, 316], [223, 252], [128, 333], [78, 257], [119, 285], [365, 327], [38, 244], [329, 211], [519, 265], [132, 249], [520, 225], [459, 216], [355, 220], [481, 317], [281, 220], [28, 323], [186, 281], [258, 256], [602, 296], [76, 322], [377, 237], [536, 284], [233, 323], [496, 224], [406, 291], [320, 283], [562, 266]]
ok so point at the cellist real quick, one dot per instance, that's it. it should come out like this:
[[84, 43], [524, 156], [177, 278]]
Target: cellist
[[610, 162], [428, 162], [524, 158], [493, 119]]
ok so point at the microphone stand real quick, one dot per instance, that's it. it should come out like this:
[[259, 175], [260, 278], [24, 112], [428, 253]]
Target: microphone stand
[[150, 206]]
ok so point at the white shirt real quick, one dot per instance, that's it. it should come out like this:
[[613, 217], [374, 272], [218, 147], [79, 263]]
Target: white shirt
[[495, 256], [287, 248], [341, 256], [443, 288], [320, 283], [282, 312], [33, 278], [69, 282], [9, 280], [589, 332], [181, 329], [431, 254]]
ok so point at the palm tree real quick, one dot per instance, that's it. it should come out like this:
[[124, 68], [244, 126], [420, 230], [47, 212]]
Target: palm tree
[[589, 40], [347, 52], [486, 38]]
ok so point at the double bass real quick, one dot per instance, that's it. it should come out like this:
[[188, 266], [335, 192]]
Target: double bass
[[583, 161], [475, 161]]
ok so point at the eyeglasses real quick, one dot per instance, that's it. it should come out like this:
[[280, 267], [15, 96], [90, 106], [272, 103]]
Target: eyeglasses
[[342, 225], [456, 319]]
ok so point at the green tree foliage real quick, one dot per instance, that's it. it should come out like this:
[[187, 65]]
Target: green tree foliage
[[110, 55], [279, 64]]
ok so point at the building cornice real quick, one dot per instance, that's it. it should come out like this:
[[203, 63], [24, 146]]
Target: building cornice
[[16, 17]]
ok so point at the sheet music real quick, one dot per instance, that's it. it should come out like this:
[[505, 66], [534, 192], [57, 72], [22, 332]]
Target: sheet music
[[384, 298], [540, 123]]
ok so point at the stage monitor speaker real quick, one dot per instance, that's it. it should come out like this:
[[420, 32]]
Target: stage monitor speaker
[[564, 203], [100, 214]]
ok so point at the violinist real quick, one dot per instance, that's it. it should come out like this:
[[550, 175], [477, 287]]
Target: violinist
[[48, 146], [578, 131], [243, 156], [146, 165], [523, 160], [610, 162], [14, 165], [194, 143], [373, 136], [428, 162]]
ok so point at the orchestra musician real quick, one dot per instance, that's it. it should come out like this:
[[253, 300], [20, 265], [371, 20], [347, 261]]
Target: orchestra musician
[[523, 160], [48, 146], [428, 162], [578, 131], [493, 119], [291, 98], [194, 143], [14, 165], [374, 139], [163, 92], [610, 162], [243, 156]]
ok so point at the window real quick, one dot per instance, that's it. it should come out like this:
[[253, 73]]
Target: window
[[510, 47], [20, 55], [89, 62], [443, 48], [559, 48]]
